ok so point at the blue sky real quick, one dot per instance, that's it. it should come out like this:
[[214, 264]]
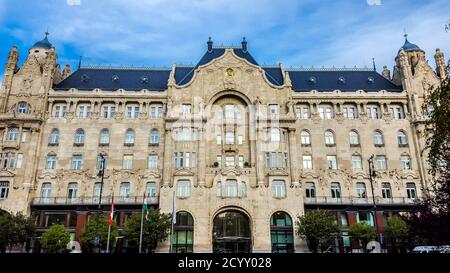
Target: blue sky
[[162, 32]]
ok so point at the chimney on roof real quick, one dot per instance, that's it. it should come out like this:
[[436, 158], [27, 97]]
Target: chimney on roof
[[244, 45], [210, 44]]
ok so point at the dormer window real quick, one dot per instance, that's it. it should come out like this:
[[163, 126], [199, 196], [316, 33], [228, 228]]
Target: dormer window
[[370, 80], [313, 80], [144, 79], [341, 80], [115, 78], [84, 78]]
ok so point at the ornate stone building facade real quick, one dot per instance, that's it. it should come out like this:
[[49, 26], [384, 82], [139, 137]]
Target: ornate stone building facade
[[244, 148]]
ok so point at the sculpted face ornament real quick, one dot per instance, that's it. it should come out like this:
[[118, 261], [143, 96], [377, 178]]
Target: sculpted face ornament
[[229, 72]]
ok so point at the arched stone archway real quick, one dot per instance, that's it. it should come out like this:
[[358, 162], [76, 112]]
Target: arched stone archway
[[232, 232]]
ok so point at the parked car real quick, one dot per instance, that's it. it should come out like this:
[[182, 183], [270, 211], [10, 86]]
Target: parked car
[[426, 249]]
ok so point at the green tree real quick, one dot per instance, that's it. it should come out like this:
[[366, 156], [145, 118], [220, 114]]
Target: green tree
[[318, 228], [395, 230], [90, 232], [155, 231], [55, 240], [363, 233], [14, 230]]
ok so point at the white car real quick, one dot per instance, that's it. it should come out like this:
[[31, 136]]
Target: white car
[[426, 249]]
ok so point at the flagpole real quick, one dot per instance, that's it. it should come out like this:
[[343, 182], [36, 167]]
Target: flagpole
[[109, 236], [142, 227], [173, 217], [111, 219]]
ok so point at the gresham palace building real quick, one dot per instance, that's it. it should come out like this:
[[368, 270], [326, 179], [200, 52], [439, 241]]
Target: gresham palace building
[[244, 148]]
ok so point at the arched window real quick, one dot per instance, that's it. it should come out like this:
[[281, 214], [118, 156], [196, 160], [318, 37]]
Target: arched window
[[79, 136], [13, 134], [378, 138], [54, 137], [401, 138], [335, 190], [104, 137], [24, 108], [329, 137], [305, 138], [183, 189], [154, 136], [129, 137], [281, 233], [354, 138], [183, 233], [361, 190]]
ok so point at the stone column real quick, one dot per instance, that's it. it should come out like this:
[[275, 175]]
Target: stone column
[[19, 140], [168, 151], [201, 164], [259, 161], [293, 158]]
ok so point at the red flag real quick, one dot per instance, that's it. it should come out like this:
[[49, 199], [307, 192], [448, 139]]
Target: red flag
[[111, 216]]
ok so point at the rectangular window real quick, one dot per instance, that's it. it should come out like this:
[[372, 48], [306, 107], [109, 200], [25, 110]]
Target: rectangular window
[[350, 112], [229, 138], [332, 162], [406, 163], [219, 160], [156, 111], [307, 162], [240, 139], [380, 162], [51, 162], [100, 162], [84, 111], [373, 112], [326, 112], [183, 188], [109, 111], [19, 161], [229, 161], [356, 162], [241, 161], [302, 112], [397, 112], [279, 189], [186, 109], [231, 188], [133, 111], [4, 189], [273, 109], [153, 161], [24, 136], [77, 162], [219, 139], [127, 162], [60, 111], [125, 191]]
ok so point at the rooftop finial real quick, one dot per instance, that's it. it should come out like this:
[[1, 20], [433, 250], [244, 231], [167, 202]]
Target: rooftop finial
[[374, 66], [244, 44], [210, 44]]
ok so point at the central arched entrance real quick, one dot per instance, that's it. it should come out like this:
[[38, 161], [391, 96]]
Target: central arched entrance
[[232, 233]]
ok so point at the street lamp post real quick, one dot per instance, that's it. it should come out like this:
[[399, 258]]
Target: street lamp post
[[101, 174], [372, 175]]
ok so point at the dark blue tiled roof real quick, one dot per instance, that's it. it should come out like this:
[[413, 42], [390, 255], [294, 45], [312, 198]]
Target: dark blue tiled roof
[[353, 80], [274, 75], [45, 44], [128, 79], [407, 47]]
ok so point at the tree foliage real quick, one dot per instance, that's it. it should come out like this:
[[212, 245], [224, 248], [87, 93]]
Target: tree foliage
[[396, 230], [429, 223], [155, 231], [55, 240], [90, 232], [318, 228], [363, 233], [14, 230]]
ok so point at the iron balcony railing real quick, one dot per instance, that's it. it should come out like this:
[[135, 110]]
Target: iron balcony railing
[[92, 200], [328, 200]]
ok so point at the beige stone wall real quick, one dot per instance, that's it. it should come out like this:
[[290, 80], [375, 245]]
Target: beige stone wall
[[228, 79]]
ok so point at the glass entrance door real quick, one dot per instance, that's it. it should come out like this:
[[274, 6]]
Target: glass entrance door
[[231, 233]]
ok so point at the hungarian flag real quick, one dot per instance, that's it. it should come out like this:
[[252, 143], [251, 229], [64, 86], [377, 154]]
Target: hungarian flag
[[111, 215], [146, 209]]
